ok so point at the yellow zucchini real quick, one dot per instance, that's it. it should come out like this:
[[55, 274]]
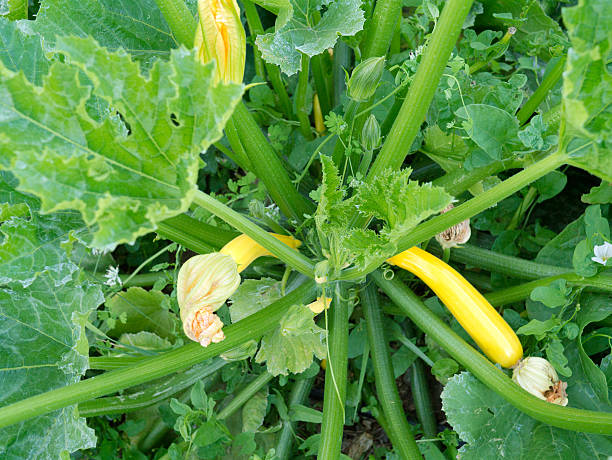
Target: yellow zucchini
[[475, 314]]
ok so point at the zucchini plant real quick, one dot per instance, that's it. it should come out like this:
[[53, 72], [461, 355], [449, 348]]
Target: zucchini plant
[[278, 229]]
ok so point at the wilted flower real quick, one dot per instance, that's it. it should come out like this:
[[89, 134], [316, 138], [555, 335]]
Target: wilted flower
[[220, 37], [603, 253], [204, 283], [457, 234], [538, 377]]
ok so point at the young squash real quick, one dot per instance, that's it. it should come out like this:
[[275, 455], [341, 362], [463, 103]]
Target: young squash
[[475, 314]]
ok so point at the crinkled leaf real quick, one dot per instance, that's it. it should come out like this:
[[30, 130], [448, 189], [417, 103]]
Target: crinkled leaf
[[299, 34], [43, 347], [142, 311], [290, 348], [492, 428], [253, 295], [400, 202], [32, 243], [602, 194], [587, 87], [21, 49], [137, 26], [122, 183], [14, 9]]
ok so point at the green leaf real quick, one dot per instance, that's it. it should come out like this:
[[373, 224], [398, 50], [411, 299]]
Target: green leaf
[[559, 251], [300, 413], [492, 428], [290, 348], [123, 183], [489, 127], [553, 295], [145, 340], [143, 310], [550, 185], [400, 202], [602, 194], [136, 26], [14, 9], [43, 347], [21, 49], [253, 295], [32, 245], [299, 34], [254, 411], [538, 328], [587, 88]]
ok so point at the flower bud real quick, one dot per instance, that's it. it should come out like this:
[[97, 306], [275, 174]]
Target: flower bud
[[364, 79], [370, 134], [457, 234], [204, 283], [244, 250], [538, 377], [322, 303], [220, 37]]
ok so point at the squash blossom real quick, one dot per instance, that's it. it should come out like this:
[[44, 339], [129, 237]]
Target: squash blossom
[[220, 37], [206, 281]]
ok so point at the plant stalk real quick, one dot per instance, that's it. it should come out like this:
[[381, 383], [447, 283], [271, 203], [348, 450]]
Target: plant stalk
[[399, 432], [245, 394], [382, 27], [334, 397], [179, 19], [268, 167], [423, 87], [299, 395], [301, 101]]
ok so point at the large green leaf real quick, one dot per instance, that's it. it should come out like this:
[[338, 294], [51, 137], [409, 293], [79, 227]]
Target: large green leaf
[[21, 49], [300, 33], [137, 26], [587, 87], [123, 181], [493, 429], [42, 340]]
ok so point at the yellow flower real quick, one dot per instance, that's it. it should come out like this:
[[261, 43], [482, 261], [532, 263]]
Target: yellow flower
[[220, 37], [322, 303]]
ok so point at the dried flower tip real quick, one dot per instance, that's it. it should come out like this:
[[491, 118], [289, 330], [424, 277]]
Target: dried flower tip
[[322, 303], [603, 253], [538, 377], [204, 327], [205, 282], [455, 235]]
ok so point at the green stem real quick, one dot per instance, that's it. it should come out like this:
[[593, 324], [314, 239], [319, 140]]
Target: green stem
[[155, 393], [522, 291], [342, 61], [179, 19], [301, 101], [539, 94], [247, 393], [422, 400], [106, 363], [381, 28], [288, 255], [250, 11], [423, 87], [396, 41], [321, 82], [193, 234], [299, 395], [268, 167], [249, 328], [468, 209], [400, 433], [239, 155], [273, 71], [335, 377], [552, 414], [528, 200]]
